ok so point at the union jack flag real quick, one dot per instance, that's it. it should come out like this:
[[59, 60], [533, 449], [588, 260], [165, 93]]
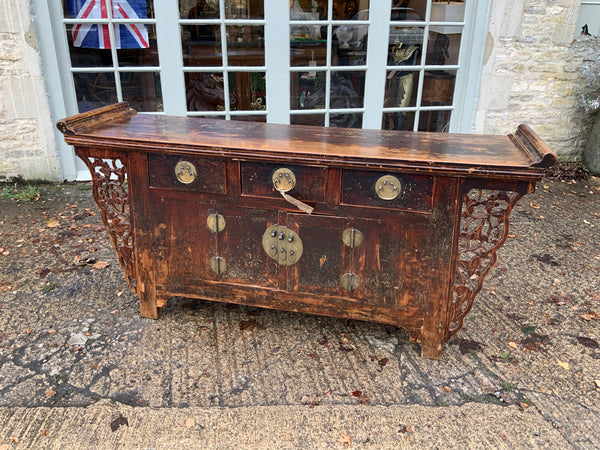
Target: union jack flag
[[90, 35]]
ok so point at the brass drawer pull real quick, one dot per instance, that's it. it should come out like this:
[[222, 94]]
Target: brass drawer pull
[[185, 172], [388, 187], [284, 181]]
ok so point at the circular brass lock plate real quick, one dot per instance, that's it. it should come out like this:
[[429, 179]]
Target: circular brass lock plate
[[185, 172], [388, 187], [350, 281], [352, 237], [218, 265], [282, 244], [284, 180], [215, 223]]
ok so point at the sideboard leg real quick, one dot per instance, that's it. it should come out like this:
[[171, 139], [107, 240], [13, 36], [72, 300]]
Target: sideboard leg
[[431, 350], [150, 303]]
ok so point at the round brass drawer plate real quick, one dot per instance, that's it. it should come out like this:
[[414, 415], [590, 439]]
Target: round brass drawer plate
[[284, 180], [185, 172], [388, 187]]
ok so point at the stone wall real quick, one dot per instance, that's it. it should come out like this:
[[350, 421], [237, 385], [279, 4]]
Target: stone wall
[[531, 70], [27, 146]]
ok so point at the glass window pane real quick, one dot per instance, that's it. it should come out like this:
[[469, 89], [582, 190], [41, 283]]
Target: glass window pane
[[199, 9], [444, 45], [244, 9], [398, 121], [142, 90], [408, 11], [309, 52], [140, 56], [353, 120], [249, 91], [438, 88], [349, 45], [347, 89], [309, 9], [308, 119], [245, 45], [85, 56], [252, 118], [201, 46], [447, 11], [125, 9], [94, 90], [307, 90], [406, 36], [401, 89], [204, 92]]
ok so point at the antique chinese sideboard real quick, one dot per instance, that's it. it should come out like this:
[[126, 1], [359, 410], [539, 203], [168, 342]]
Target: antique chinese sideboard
[[392, 227]]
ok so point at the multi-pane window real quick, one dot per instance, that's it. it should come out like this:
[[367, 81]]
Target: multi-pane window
[[343, 63], [223, 57], [113, 53]]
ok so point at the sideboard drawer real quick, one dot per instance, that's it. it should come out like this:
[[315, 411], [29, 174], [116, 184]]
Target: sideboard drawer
[[187, 173], [309, 184], [387, 190]]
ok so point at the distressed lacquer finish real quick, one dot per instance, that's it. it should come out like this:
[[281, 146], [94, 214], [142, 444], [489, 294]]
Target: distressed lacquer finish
[[399, 228]]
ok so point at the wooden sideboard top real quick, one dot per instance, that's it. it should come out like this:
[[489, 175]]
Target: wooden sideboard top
[[522, 154]]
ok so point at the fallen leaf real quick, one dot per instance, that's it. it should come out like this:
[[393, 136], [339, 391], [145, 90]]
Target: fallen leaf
[[190, 422], [561, 299], [323, 341], [46, 433], [101, 265], [564, 365], [345, 440], [356, 393], [447, 389], [523, 406], [115, 424], [382, 362], [53, 223], [534, 205], [50, 393], [528, 329], [52, 331], [587, 342]]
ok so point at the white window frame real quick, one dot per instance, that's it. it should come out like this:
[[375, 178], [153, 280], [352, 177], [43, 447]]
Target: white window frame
[[58, 72]]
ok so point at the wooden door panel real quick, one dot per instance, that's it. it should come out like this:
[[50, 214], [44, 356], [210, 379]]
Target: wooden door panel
[[324, 259]]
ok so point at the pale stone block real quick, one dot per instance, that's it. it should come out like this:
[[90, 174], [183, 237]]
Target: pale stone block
[[496, 95]]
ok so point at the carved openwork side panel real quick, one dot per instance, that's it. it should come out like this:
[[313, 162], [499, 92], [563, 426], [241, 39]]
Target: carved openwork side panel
[[109, 178], [483, 229]]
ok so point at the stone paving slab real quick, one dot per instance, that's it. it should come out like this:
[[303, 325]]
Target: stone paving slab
[[74, 348], [470, 426]]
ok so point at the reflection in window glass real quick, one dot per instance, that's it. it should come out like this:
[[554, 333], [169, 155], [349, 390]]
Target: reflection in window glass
[[444, 45], [307, 119], [244, 9], [398, 121], [249, 91], [253, 118], [353, 120], [349, 45], [438, 88], [200, 49], [306, 52], [199, 9], [347, 89], [400, 89], [245, 45], [307, 90], [204, 92], [94, 90], [142, 90]]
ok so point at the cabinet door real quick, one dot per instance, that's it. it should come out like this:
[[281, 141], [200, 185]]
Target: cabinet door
[[239, 243], [389, 262], [325, 258]]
